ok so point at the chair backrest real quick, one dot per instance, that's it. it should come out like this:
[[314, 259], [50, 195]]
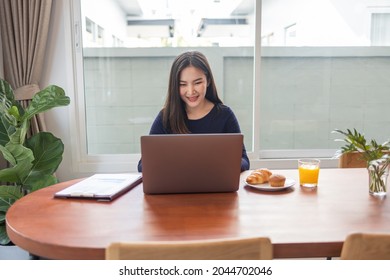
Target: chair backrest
[[258, 248], [366, 246], [351, 160]]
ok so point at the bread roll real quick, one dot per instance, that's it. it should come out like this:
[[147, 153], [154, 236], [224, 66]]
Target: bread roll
[[259, 176], [277, 180]]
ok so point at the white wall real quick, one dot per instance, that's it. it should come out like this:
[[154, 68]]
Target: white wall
[[109, 16]]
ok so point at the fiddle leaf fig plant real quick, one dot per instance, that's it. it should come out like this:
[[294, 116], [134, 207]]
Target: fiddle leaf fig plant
[[32, 161]]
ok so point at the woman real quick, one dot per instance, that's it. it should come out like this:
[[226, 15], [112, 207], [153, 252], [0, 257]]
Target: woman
[[192, 104]]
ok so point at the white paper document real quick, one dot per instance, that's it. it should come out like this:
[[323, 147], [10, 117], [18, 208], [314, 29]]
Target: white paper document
[[102, 186]]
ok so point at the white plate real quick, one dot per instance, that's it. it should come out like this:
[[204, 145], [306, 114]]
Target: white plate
[[266, 187]]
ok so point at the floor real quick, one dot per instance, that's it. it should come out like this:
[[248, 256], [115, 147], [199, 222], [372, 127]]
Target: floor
[[13, 253]]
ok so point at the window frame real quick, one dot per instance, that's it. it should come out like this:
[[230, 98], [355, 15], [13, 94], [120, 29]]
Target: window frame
[[84, 162]]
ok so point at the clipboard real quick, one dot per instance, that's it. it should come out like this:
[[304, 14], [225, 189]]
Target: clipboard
[[105, 187]]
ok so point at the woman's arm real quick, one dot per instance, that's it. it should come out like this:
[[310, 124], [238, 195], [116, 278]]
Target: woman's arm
[[232, 126]]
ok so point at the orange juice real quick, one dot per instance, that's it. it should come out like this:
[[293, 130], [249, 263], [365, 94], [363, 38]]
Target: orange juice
[[308, 172]]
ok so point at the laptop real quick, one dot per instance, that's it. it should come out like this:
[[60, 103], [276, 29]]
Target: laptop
[[191, 163]]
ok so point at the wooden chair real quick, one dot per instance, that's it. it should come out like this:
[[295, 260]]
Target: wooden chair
[[366, 246], [259, 248], [351, 160]]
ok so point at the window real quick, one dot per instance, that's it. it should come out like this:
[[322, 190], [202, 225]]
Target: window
[[290, 35], [100, 36], [89, 33], [266, 40], [123, 89], [380, 32], [313, 75], [89, 26], [320, 74]]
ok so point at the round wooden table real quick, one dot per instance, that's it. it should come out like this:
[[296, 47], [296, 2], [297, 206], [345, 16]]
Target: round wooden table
[[300, 223]]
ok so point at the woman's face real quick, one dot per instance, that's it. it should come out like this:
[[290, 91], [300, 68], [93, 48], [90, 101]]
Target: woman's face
[[193, 86]]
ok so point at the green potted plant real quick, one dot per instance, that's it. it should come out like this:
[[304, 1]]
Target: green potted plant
[[376, 156], [32, 161]]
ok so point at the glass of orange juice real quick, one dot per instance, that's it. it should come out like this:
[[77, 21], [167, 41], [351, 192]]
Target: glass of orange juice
[[309, 170]]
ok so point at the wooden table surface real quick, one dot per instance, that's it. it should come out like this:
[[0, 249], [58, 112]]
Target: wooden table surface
[[301, 223]]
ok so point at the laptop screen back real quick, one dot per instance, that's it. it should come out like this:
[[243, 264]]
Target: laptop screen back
[[191, 163]]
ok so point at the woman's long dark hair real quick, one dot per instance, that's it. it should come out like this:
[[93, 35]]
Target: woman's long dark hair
[[174, 113]]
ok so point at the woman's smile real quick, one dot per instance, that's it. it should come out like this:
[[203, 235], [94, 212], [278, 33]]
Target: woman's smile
[[193, 98]]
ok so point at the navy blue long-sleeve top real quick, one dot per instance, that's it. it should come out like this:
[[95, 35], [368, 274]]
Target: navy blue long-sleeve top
[[220, 119]]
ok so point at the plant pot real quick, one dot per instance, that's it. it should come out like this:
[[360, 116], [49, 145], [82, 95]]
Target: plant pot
[[377, 176]]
